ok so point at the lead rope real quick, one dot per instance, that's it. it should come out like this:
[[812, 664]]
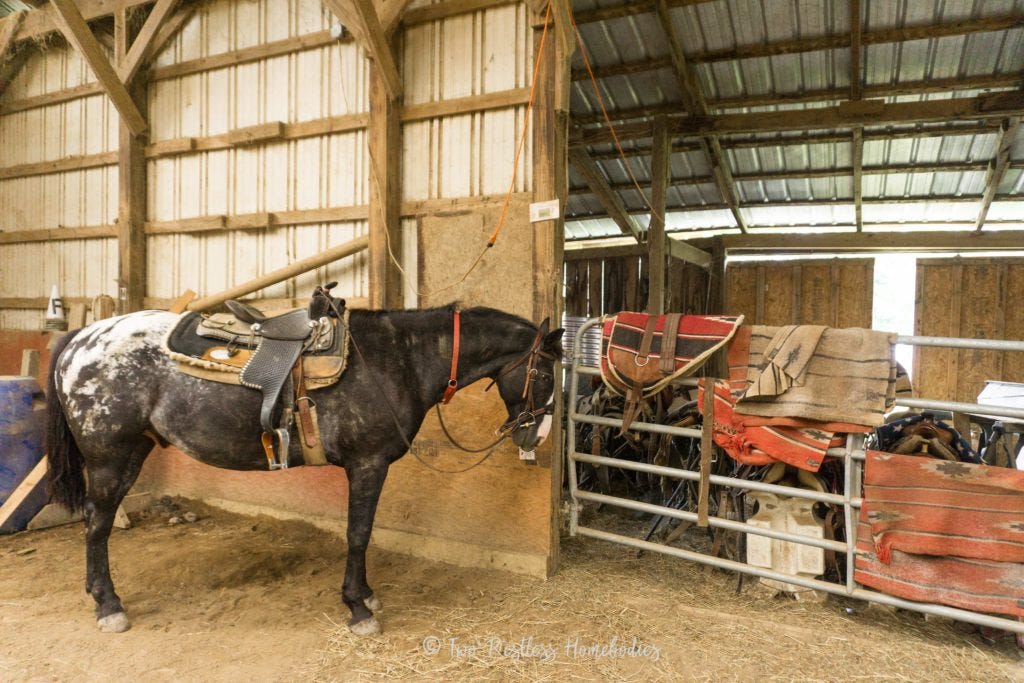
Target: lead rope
[[398, 425]]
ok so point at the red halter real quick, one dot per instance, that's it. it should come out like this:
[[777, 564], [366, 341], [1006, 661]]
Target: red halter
[[453, 382]]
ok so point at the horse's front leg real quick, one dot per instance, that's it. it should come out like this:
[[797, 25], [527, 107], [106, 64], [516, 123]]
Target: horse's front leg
[[365, 480]]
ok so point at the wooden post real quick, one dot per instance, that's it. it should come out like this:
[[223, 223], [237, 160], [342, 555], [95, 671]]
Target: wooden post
[[661, 150], [131, 167], [551, 181], [385, 146]]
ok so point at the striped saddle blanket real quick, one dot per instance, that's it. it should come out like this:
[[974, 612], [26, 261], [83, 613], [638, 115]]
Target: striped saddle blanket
[[642, 353]]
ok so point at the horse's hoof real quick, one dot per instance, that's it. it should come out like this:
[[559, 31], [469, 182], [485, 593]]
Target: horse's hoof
[[114, 623], [373, 604], [366, 627]]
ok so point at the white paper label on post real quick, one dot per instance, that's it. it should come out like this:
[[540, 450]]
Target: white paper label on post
[[544, 211]]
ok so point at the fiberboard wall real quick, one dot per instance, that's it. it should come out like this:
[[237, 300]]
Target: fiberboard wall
[[973, 298], [835, 292]]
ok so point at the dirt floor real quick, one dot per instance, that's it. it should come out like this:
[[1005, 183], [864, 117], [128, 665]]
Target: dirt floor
[[251, 598]]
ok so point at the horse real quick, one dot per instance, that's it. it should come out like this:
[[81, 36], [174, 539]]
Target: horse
[[114, 393]]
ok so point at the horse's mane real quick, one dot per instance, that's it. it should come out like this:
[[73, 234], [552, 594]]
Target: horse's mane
[[484, 312]]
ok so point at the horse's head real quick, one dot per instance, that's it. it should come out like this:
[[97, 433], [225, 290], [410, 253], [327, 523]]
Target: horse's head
[[527, 386]]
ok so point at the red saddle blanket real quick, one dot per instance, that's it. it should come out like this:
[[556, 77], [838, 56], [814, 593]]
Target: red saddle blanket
[[641, 353]]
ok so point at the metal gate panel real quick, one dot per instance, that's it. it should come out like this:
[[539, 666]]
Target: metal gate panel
[[852, 456]]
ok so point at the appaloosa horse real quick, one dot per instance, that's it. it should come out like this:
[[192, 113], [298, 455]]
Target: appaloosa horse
[[114, 392]]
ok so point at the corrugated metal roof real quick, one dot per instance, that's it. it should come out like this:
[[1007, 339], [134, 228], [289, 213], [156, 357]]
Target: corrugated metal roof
[[953, 166]]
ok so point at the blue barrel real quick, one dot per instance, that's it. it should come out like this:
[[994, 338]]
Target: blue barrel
[[22, 420]]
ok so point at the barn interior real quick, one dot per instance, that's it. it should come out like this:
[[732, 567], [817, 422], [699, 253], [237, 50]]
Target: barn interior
[[849, 164]]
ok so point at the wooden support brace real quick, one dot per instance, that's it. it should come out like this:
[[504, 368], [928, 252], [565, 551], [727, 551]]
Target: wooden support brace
[[74, 28], [140, 49], [598, 184]]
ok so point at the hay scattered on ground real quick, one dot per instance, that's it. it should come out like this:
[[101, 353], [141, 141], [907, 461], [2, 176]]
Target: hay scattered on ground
[[693, 623]]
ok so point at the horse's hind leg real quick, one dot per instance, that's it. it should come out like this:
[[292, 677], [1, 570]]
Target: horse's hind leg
[[108, 482]]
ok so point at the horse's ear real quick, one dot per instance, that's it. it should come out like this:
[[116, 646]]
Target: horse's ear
[[553, 342], [544, 326]]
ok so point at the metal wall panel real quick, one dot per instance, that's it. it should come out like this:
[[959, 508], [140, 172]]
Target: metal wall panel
[[327, 171], [461, 155], [88, 125]]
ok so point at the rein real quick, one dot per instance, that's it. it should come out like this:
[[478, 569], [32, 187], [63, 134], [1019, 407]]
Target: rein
[[524, 419]]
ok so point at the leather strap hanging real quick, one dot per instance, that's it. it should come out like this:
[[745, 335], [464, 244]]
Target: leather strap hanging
[[453, 381], [706, 445], [635, 393], [669, 334]]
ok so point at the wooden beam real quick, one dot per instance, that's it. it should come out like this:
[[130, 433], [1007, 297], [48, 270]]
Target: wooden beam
[[630, 9], [132, 183], [140, 46], [997, 168], [9, 26], [858, 175], [656, 230], [53, 235], [695, 104], [684, 251], [384, 141], [855, 94], [598, 184], [846, 115], [890, 35], [391, 14], [872, 241], [75, 163], [167, 31], [374, 40], [71, 23]]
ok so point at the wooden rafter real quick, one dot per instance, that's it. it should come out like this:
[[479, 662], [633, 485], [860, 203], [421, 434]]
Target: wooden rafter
[[798, 45], [144, 40], [611, 202], [1012, 80], [391, 14], [361, 18], [845, 115], [72, 24], [644, 149], [997, 168], [872, 241], [8, 30], [10, 63], [694, 102]]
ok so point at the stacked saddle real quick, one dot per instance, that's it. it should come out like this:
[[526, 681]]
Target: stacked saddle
[[282, 356]]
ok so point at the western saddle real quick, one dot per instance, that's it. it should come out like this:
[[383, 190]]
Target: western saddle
[[275, 354]]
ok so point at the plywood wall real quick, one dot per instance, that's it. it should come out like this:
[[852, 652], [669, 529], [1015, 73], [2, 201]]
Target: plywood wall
[[34, 200], [970, 298], [835, 292]]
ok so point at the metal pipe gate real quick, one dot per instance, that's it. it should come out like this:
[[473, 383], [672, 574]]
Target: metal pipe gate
[[852, 457]]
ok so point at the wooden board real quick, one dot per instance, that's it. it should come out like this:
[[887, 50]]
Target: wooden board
[[974, 299], [834, 292]]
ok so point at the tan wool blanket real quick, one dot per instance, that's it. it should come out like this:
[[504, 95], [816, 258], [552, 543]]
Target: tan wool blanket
[[818, 373]]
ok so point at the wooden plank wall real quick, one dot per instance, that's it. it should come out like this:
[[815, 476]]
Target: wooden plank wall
[[834, 292], [605, 286], [972, 298]]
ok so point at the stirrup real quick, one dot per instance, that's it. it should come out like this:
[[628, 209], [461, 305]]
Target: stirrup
[[277, 458]]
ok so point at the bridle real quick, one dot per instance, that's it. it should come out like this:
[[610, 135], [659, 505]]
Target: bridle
[[526, 418]]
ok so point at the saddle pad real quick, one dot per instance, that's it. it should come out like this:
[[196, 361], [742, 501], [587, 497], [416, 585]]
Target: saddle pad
[[623, 365]]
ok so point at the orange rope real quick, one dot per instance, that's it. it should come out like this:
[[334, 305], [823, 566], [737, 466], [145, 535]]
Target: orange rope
[[522, 138], [608, 120]]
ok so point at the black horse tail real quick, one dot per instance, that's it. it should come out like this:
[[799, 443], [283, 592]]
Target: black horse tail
[[67, 466]]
